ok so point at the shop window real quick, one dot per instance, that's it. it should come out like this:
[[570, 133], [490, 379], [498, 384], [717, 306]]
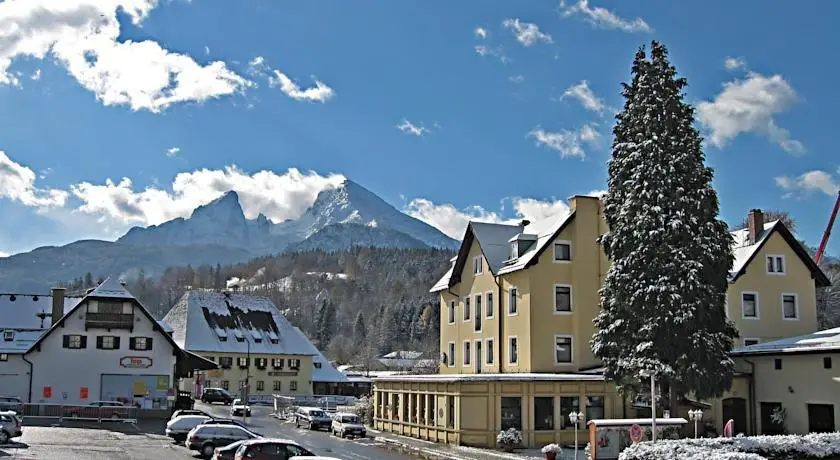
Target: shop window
[[594, 407], [225, 385], [140, 343], [511, 412], [260, 385], [108, 342], [75, 342], [543, 413], [568, 404], [293, 385], [278, 385]]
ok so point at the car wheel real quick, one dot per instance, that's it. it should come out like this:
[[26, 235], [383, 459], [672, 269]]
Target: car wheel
[[4, 437], [207, 450], [311, 426]]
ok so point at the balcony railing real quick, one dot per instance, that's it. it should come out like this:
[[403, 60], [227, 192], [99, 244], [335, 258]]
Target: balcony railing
[[109, 320]]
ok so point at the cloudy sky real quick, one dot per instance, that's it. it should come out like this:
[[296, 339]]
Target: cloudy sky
[[131, 112]]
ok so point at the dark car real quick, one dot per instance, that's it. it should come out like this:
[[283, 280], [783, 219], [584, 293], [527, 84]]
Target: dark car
[[206, 438], [271, 449], [227, 452], [214, 395]]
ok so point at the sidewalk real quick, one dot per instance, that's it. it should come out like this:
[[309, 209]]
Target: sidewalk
[[450, 452]]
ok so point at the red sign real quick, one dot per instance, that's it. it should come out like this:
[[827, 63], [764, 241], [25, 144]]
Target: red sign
[[48, 392], [135, 362], [83, 392], [729, 428], [636, 433]]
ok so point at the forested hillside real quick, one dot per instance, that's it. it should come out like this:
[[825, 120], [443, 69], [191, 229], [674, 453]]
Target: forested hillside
[[357, 303]]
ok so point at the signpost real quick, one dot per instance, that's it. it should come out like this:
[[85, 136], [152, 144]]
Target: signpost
[[636, 433]]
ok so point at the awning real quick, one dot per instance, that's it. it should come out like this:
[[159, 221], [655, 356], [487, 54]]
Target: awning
[[187, 363]]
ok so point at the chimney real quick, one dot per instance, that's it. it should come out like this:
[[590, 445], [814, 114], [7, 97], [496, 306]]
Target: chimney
[[524, 223], [755, 224], [57, 304]]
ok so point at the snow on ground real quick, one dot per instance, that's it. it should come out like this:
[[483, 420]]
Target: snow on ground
[[329, 276], [810, 446]]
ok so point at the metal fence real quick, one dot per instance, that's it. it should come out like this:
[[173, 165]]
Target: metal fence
[[62, 412]]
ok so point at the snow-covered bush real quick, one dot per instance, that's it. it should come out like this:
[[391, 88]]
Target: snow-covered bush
[[363, 407], [587, 452], [509, 438], [551, 448], [784, 447]]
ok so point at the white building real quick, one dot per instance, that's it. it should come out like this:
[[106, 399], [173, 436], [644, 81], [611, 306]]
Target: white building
[[103, 346]]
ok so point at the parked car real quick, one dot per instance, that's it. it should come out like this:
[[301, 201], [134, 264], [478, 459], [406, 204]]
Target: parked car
[[238, 407], [181, 412], [214, 395], [313, 418], [271, 449], [184, 400], [225, 421], [178, 428], [345, 424], [227, 452], [206, 438], [12, 403], [316, 457], [11, 426], [100, 409]]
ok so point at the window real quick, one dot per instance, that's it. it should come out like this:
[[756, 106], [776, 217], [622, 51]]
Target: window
[[75, 342], [562, 349], [749, 304], [225, 385], [140, 343], [294, 363], [562, 298], [451, 316], [317, 365], [594, 407], [450, 405], [478, 265], [777, 364], [467, 309], [261, 363], [821, 418], [543, 413], [513, 350], [514, 250], [278, 385], [775, 264], [450, 359], [489, 306], [293, 385], [225, 362], [243, 362], [478, 314], [4, 356], [790, 307], [109, 307], [277, 363], [8, 336], [260, 385], [827, 362], [467, 353], [511, 412], [512, 306], [749, 342], [108, 342], [490, 358], [568, 404], [562, 251]]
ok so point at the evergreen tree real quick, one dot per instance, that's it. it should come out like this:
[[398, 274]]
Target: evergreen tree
[[88, 280], [359, 330], [324, 324], [217, 278], [664, 294]]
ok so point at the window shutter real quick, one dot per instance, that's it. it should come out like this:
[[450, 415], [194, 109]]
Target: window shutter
[[148, 343], [66, 341], [132, 343], [116, 343], [83, 343], [99, 342]]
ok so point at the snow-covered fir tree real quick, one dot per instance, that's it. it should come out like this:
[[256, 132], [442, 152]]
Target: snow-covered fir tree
[[664, 295]]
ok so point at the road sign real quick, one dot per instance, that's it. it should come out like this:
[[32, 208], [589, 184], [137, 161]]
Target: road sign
[[636, 433]]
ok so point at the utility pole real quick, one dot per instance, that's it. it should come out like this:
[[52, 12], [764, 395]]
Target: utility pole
[[653, 406]]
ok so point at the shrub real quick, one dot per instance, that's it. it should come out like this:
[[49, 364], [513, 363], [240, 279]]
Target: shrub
[[785, 447]]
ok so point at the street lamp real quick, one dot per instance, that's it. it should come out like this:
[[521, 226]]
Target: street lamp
[[695, 416], [574, 417]]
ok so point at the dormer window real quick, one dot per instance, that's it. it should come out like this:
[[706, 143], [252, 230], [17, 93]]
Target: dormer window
[[8, 336], [514, 250], [520, 244]]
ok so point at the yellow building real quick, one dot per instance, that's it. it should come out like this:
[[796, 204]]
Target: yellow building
[[516, 321], [249, 338]]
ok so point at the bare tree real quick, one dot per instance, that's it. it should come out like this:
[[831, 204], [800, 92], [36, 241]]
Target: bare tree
[[828, 299], [771, 215]]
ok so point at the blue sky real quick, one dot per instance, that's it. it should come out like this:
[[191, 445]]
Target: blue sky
[[131, 112]]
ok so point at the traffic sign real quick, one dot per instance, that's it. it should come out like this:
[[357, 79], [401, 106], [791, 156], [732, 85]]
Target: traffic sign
[[636, 433]]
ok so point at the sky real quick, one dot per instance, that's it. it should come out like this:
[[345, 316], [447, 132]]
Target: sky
[[117, 113]]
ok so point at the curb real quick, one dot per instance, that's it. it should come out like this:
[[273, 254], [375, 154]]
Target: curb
[[426, 451]]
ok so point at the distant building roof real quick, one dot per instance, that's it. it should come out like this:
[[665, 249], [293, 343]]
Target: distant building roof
[[825, 341], [112, 288], [20, 321]]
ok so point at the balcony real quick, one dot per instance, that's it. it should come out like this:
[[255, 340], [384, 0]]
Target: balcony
[[109, 321]]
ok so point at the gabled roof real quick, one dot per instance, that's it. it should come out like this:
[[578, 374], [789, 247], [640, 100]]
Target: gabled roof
[[825, 341], [745, 252], [546, 232]]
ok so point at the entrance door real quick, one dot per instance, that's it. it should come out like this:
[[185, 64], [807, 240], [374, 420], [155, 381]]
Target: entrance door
[[768, 426], [821, 418], [735, 409], [478, 356]]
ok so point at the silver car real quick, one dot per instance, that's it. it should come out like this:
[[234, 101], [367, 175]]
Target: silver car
[[11, 426]]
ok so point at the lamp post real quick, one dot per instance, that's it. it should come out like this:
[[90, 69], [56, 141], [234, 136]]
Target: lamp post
[[575, 417], [247, 379], [653, 407], [695, 416]]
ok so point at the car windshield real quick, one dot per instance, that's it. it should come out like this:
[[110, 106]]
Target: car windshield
[[350, 419], [317, 413]]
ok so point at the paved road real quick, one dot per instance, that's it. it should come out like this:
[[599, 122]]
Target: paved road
[[319, 442]]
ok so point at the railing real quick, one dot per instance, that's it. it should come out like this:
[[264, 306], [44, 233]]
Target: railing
[[115, 320], [62, 412]]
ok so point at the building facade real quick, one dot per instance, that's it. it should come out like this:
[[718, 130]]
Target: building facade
[[518, 304], [250, 340]]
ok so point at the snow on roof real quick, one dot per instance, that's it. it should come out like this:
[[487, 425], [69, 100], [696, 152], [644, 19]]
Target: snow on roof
[[743, 250], [443, 282], [166, 328], [821, 341], [544, 230], [18, 311], [407, 354], [14, 341], [112, 287], [493, 241], [255, 334], [493, 377]]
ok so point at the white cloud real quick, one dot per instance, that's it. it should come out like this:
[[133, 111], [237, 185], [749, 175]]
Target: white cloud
[[732, 63], [811, 181], [206, 50], [453, 221], [411, 128], [527, 33], [568, 143], [604, 18], [749, 105], [17, 183], [4, 254], [587, 98], [497, 52], [172, 151], [319, 93], [36, 75], [480, 32], [83, 37], [597, 193], [516, 78], [277, 196], [257, 66]]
